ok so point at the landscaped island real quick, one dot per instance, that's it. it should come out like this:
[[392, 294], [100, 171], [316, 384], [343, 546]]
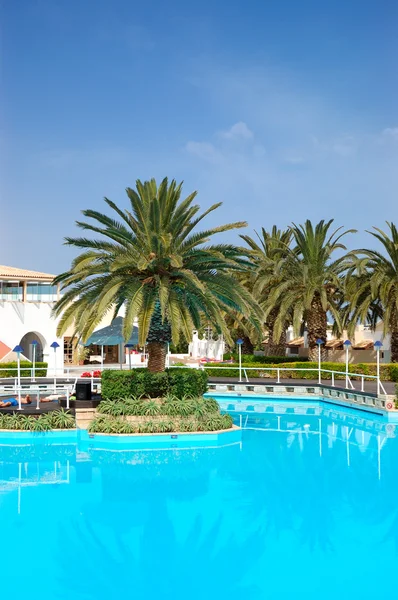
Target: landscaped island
[[159, 415]]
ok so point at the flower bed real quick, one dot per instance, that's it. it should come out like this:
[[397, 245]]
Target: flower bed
[[55, 419], [160, 415]]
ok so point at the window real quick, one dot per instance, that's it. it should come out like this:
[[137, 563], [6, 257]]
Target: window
[[11, 291], [41, 292], [68, 350]]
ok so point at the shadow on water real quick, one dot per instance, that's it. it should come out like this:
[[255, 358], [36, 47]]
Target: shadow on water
[[151, 535]]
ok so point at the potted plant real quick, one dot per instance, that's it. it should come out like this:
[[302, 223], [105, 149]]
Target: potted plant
[[82, 354]]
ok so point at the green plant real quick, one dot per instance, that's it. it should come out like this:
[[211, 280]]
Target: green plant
[[41, 423], [82, 353], [310, 283], [186, 406], [211, 405], [187, 382], [25, 423], [165, 426], [150, 408], [10, 369], [107, 407], [102, 425], [187, 425], [170, 408], [154, 262], [61, 419], [372, 287], [143, 383], [394, 373], [212, 422], [122, 426], [298, 370], [226, 421], [200, 409], [148, 427]]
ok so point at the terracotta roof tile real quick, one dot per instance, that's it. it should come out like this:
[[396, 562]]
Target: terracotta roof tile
[[23, 273], [296, 342]]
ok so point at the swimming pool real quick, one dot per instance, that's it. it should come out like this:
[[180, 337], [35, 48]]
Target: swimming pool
[[305, 506]]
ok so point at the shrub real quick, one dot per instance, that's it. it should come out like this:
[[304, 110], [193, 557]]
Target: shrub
[[394, 373], [263, 360], [211, 405], [10, 369], [187, 382], [388, 372], [116, 384], [141, 382]]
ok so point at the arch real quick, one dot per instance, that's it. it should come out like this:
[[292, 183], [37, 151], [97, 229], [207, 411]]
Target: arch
[[26, 343]]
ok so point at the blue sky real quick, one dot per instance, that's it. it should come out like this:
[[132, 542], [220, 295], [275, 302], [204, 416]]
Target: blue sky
[[283, 110]]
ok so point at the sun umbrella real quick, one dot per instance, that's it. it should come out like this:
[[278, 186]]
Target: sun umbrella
[[112, 335]]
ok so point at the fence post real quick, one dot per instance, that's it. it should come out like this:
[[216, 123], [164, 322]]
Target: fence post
[[346, 345], [67, 398], [332, 378], [319, 344], [362, 383], [278, 380]]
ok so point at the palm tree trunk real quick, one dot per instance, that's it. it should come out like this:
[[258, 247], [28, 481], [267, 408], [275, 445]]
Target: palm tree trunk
[[247, 346], [274, 347], [394, 335], [157, 357], [316, 326]]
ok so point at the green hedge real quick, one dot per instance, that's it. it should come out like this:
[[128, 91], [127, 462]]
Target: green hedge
[[263, 360], [388, 372], [10, 369], [141, 382]]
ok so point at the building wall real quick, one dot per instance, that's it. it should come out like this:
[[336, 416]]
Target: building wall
[[18, 319]]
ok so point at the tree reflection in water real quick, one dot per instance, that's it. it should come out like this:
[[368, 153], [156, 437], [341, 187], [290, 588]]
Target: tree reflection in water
[[151, 535]]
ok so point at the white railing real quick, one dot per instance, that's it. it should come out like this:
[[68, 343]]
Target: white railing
[[36, 392], [75, 372], [318, 372]]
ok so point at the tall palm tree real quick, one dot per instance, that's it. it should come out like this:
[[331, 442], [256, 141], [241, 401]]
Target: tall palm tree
[[240, 326], [373, 286], [310, 281], [267, 253], [151, 259]]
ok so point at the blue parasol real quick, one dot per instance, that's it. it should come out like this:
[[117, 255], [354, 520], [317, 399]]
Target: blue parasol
[[112, 335]]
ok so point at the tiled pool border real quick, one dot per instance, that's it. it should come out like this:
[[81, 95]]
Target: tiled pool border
[[103, 441], [363, 401]]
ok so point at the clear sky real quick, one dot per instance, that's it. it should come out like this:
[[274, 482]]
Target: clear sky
[[282, 109]]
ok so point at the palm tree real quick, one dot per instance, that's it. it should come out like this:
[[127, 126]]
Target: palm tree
[[309, 282], [152, 261], [373, 286], [240, 326], [267, 252]]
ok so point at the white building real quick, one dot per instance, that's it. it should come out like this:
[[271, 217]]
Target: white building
[[362, 349], [206, 347], [26, 302]]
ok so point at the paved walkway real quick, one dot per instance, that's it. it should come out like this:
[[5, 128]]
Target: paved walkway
[[369, 386]]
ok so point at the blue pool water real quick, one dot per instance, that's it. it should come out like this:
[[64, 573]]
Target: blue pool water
[[306, 506]]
